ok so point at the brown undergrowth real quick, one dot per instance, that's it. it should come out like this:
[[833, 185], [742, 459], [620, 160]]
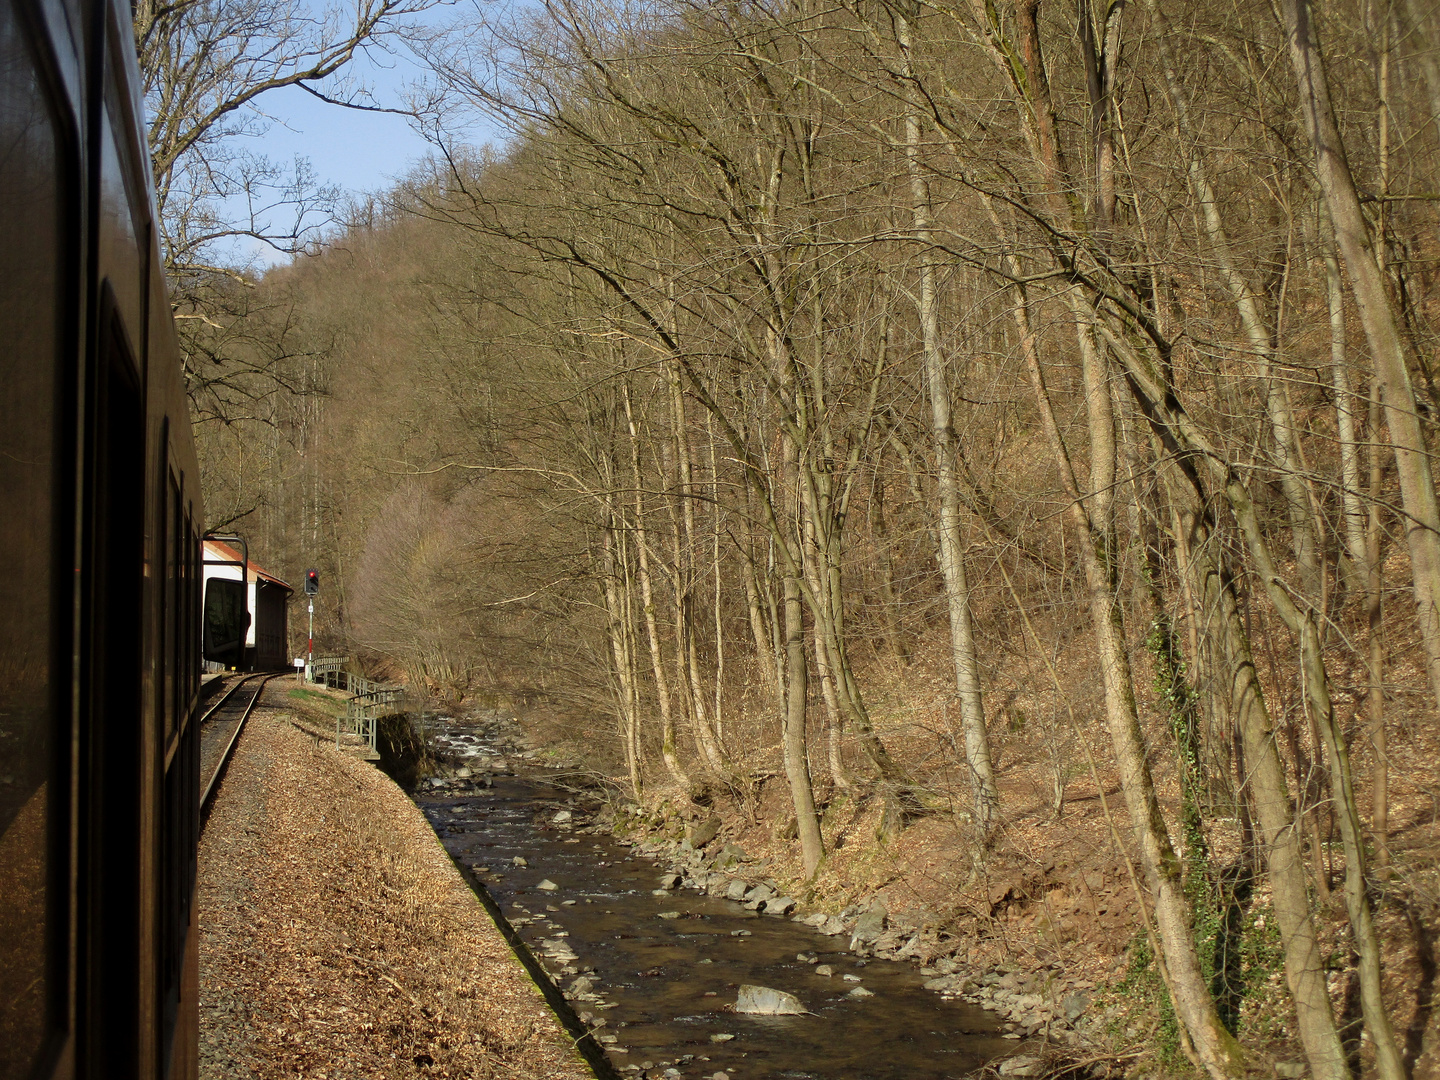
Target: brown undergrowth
[[1052, 887]]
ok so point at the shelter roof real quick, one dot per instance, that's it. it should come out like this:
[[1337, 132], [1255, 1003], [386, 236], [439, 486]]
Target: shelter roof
[[216, 549]]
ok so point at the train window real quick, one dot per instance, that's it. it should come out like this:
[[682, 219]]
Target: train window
[[172, 544], [114, 742], [187, 657], [190, 620], [34, 550]]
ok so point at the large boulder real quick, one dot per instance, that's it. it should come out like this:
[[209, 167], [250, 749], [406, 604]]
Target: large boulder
[[729, 855], [1021, 1065], [763, 1001], [871, 924], [757, 896], [702, 832], [558, 949]]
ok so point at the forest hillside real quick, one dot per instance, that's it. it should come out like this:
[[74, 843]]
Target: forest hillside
[[981, 450]]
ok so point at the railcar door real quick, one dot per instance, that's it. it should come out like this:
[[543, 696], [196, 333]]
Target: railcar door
[[112, 741], [38, 309]]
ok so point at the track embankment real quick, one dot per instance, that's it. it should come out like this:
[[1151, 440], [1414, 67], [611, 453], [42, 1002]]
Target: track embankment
[[337, 938]]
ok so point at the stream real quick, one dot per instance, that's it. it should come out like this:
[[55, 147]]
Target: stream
[[659, 970]]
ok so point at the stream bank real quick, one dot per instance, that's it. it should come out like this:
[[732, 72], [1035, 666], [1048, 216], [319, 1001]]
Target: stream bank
[[651, 938]]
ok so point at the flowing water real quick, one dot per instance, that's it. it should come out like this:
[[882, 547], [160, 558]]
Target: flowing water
[[663, 970]]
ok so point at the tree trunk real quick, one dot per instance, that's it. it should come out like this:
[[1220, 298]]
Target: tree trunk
[[827, 610], [1419, 25], [1388, 1061], [635, 750], [985, 795], [797, 690], [647, 598], [686, 548], [1382, 328], [812, 481], [1264, 772], [824, 669], [761, 628], [1352, 505], [885, 569], [717, 595], [1215, 1048], [1375, 675], [797, 766], [1258, 333], [615, 609]]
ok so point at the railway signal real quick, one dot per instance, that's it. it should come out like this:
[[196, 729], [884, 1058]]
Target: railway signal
[[312, 589]]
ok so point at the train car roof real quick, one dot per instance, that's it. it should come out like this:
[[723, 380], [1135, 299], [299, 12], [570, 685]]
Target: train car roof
[[257, 572]]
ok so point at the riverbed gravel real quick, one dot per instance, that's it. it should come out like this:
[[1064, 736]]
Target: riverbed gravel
[[338, 940]]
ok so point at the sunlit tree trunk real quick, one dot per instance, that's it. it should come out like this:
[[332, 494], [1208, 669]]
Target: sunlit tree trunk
[[1258, 333], [834, 723], [1207, 1041], [1213, 583], [686, 550], [717, 595], [762, 623], [797, 687], [1382, 327], [1346, 404], [885, 567], [617, 613], [1420, 25], [1206, 1036], [668, 750], [985, 795], [1374, 628], [1303, 625]]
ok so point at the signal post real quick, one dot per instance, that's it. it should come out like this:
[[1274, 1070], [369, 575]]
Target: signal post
[[312, 589]]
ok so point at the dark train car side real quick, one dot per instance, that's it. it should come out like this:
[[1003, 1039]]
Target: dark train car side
[[100, 515]]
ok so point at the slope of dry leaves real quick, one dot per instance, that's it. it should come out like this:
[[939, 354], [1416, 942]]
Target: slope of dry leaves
[[337, 940]]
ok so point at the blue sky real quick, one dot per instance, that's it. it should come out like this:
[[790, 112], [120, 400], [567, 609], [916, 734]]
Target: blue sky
[[358, 151]]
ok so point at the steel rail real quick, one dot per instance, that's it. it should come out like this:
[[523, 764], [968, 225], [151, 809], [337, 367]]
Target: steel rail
[[207, 797], [225, 697]]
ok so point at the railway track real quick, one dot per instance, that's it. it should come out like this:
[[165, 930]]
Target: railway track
[[220, 729]]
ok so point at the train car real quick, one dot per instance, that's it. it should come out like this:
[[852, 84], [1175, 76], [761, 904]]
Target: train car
[[267, 601], [100, 516]]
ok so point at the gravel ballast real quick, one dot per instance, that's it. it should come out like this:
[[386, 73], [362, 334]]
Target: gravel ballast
[[338, 940]]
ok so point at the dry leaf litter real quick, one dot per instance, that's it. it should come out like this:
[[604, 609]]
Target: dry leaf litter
[[338, 940]]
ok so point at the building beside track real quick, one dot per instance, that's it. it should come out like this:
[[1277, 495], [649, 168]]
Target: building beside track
[[267, 597]]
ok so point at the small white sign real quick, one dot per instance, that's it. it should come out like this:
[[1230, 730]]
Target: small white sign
[[299, 661]]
